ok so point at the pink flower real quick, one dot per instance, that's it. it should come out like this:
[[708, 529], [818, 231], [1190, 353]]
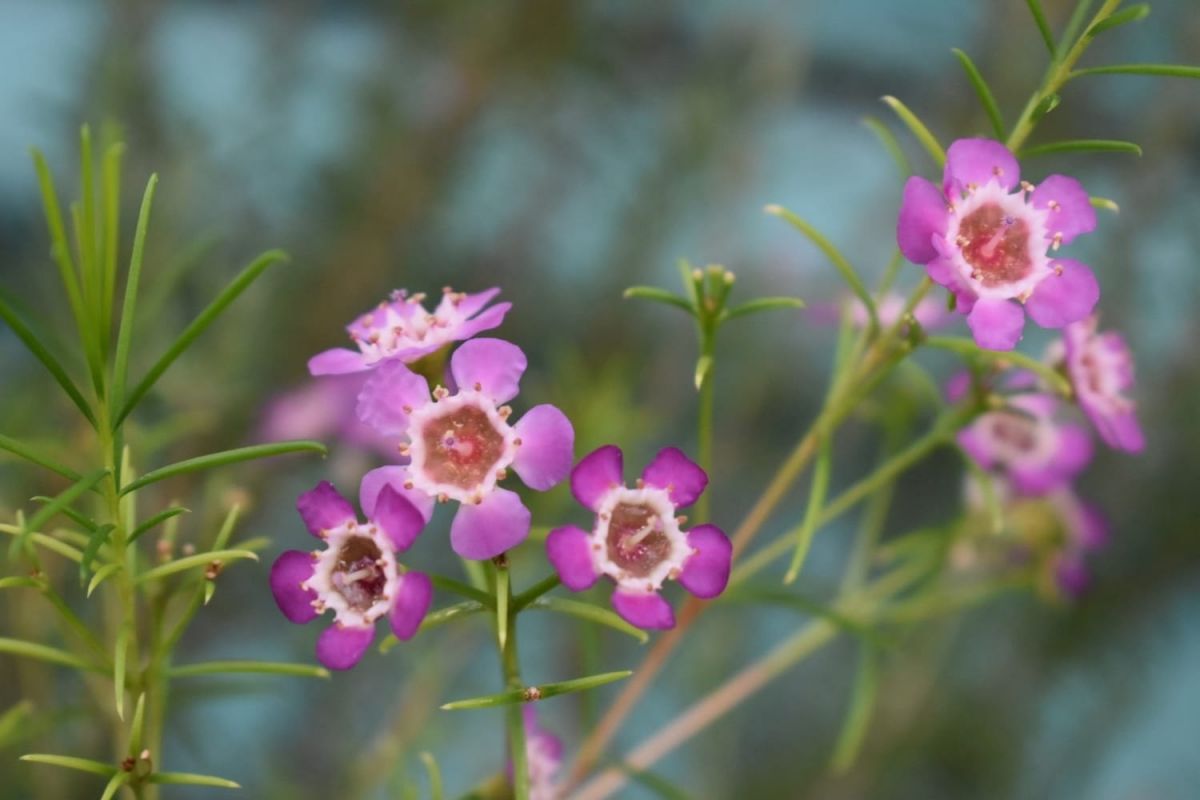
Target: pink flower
[[1084, 531], [356, 575], [636, 540], [988, 244], [460, 446], [402, 330], [321, 409], [1100, 367], [543, 755]]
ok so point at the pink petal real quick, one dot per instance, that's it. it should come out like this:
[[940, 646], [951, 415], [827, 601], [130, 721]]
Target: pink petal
[[291, 569], [683, 479], [1074, 451], [1070, 210], [491, 366], [491, 318], [922, 216], [399, 519], [1122, 431], [341, 646], [388, 396], [323, 509], [570, 554], [486, 530], [547, 447], [996, 324], [596, 474], [977, 161], [413, 598], [976, 446], [646, 610], [471, 304], [706, 572], [1064, 297], [395, 477], [337, 361]]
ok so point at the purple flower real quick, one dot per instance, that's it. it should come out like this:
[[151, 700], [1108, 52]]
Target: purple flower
[[988, 244], [543, 754], [318, 410], [1100, 367], [403, 330], [636, 540], [1084, 531], [1026, 443], [460, 446], [356, 575]]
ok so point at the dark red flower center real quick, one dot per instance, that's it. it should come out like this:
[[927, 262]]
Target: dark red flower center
[[636, 540], [462, 447], [1016, 431], [357, 576], [996, 245]]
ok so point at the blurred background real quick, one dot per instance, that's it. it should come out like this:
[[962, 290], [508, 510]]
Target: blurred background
[[563, 151]]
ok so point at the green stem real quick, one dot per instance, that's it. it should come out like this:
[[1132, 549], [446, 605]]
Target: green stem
[[513, 719], [705, 429]]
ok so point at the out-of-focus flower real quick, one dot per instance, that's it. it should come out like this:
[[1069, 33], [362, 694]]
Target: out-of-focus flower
[[460, 446], [403, 330], [1084, 531], [1100, 367], [543, 755], [322, 409], [356, 575], [636, 540], [988, 244], [930, 312]]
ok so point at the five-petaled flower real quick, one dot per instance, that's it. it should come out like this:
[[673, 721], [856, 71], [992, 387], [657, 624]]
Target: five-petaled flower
[[637, 540], [988, 244], [403, 330], [1100, 367], [356, 575], [461, 445]]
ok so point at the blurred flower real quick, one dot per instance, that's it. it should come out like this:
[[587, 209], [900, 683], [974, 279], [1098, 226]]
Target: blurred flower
[[460, 445], [988, 245], [636, 540], [1100, 367], [930, 312], [543, 754], [322, 409], [403, 330], [356, 575], [1084, 531]]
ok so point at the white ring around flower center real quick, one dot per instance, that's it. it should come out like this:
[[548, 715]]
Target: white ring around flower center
[[419, 456], [1016, 207], [322, 582], [659, 502]]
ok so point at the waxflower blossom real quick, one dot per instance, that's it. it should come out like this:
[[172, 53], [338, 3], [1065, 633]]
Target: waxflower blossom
[[401, 329], [318, 410], [1100, 367], [636, 540], [460, 445], [988, 244], [356, 576], [543, 756]]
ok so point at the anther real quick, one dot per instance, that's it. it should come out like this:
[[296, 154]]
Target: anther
[[408, 484], [407, 409], [681, 519], [1054, 205], [517, 442], [441, 393], [1057, 243], [1026, 186], [501, 474], [403, 449], [997, 171], [443, 498], [1058, 269], [504, 411]]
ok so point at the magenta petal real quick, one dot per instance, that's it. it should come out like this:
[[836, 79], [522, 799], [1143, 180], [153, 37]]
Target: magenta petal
[[974, 445], [323, 509], [486, 530], [341, 646], [570, 554], [1069, 209], [471, 304], [388, 396], [996, 324], [646, 610], [706, 572], [1120, 430], [1064, 297], [491, 366], [291, 569], [547, 447], [977, 161], [683, 479], [397, 517], [1074, 451], [1072, 575], [337, 361], [413, 598], [395, 477], [596, 474], [491, 318], [922, 216]]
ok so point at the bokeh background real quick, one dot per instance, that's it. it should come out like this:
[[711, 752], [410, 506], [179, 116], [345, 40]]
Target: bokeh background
[[563, 151]]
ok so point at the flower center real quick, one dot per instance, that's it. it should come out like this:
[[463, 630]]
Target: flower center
[[636, 539], [359, 575], [1015, 432], [996, 245], [462, 447]]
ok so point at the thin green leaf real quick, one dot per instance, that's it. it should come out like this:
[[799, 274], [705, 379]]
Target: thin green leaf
[[1082, 145], [435, 776], [659, 296], [60, 248], [462, 589], [247, 668], [71, 762], [1048, 104], [82, 520], [534, 592], [60, 502], [986, 98], [47, 542], [891, 144], [14, 722], [132, 281], [227, 526], [195, 560], [24, 451], [966, 347], [704, 365], [1106, 204], [1160, 70], [137, 727], [114, 785], [189, 779], [918, 129], [120, 653], [858, 716], [198, 326], [503, 595], [98, 539], [1131, 14], [435, 618], [1074, 25], [110, 183], [41, 652], [540, 692], [762, 304], [34, 344], [221, 459], [590, 613], [812, 513], [20, 582], [1039, 19], [155, 521]]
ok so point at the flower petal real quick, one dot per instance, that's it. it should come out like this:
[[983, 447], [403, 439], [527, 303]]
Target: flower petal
[[472, 303], [388, 397], [1070, 209], [1074, 451], [337, 361], [596, 474], [413, 598], [569, 552], [491, 366], [323, 509], [289, 571], [397, 517], [996, 324], [341, 646], [485, 530], [683, 479], [395, 477], [646, 610], [706, 572], [922, 216], [547, 447], [1120, 430], [1067, 296], [491, 318], [977, 161]]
